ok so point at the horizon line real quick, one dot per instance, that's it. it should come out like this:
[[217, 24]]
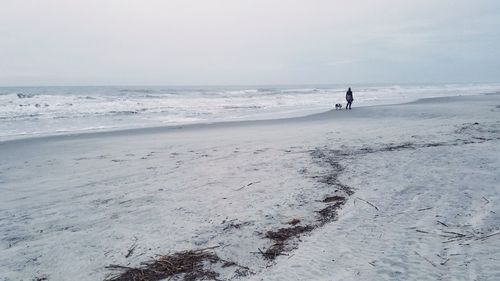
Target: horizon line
[[247, 85]]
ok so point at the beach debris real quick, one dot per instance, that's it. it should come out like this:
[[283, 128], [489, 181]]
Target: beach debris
[[367, 202], [195, 264], [232, 224], [280, 238], [455, 233], [333, 199], [487, 236], [426, 259], [192, 264], [329, 213], [132, 248], [272, 252], [442, 223], [284, 234], [247, 185]]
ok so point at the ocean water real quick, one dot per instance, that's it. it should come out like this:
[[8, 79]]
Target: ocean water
[[39, 111]]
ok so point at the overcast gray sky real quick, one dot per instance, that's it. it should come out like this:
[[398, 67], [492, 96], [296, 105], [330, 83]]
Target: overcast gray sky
[[242, 42]]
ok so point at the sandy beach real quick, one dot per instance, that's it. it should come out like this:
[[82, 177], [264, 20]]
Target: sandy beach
[[395, 192]]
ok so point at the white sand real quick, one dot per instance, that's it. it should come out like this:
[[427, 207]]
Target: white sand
[[71, 205]]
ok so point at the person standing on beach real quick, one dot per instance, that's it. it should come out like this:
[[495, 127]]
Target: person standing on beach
[[349, 99]]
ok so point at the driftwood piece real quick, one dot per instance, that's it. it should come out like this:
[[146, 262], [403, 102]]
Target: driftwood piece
[[442, 223], [247, 185], [426, 259], [488, 236], [367, 202], [132, 247]]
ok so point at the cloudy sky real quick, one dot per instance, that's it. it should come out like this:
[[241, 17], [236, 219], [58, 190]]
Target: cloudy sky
[[243, 42]]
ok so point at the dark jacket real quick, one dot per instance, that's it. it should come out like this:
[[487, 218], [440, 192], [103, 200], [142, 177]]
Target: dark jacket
[[348, 96]]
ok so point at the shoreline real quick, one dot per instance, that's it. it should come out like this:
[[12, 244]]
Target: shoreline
[[217, 124]]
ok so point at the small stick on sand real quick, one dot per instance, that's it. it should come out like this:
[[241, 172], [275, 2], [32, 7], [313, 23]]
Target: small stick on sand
[[426, 259], [247, 185], [442, 223], [487, 201], [207, 248], [232, 263], [368, 203], [424, 209], [453, 240], [456, 233], [132, 248], [488, 236]]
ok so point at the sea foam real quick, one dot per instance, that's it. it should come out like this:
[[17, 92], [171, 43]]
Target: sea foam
[[38, 111]]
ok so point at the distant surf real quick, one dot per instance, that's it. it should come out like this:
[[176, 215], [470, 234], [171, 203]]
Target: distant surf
[[37, 111]]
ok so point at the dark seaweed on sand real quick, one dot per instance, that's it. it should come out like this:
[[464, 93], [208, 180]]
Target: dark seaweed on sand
[[190, 263]]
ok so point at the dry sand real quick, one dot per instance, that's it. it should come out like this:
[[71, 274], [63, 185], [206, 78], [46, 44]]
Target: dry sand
[[421, 172]]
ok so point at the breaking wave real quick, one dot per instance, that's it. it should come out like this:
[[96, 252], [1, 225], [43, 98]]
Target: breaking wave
[[48, 110]]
